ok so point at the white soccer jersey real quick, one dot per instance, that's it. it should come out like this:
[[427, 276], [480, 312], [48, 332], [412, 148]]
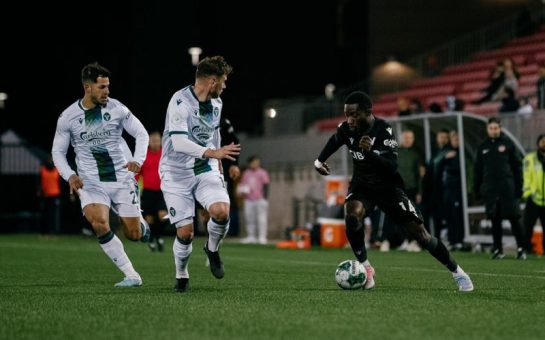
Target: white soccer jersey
[[200, 122], [95, 135]]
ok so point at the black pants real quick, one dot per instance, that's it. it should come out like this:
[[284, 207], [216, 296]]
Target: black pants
[[50, 215], [531, 213], [497, 230]]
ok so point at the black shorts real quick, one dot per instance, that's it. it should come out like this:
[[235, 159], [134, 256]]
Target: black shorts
[[152, 202], [392, 200]]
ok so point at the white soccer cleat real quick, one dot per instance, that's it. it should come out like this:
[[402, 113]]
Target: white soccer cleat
[[129, 282], [462, 280], [370, 282]]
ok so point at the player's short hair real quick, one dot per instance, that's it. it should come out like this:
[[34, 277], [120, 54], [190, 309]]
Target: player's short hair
[[362, 99], [92, 71], [443, 130], [494, 120], [213, 66]]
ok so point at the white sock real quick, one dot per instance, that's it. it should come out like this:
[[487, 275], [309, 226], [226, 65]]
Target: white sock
[[366, 263], [182, 252], [115, 251], [216, 232]]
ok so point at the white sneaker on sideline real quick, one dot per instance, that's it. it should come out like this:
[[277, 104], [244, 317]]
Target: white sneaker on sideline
[[248, 240], [414, 247], [385, 246]]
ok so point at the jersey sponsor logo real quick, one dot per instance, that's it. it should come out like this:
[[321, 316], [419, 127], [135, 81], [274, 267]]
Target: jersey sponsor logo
[[95, 137], [178, 101], [80, 120], [202, 133], [172, 211], [389, 129], [351, 140], [106, 116], [390, 143], [357, 155]]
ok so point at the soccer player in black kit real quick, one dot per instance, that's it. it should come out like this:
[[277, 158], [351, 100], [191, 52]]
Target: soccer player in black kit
[[376, 182]]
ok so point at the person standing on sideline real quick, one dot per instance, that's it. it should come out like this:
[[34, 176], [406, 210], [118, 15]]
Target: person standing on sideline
[[254, 188], [153, 203], [190, 166], [94, 126], [534, 190], [376, 182], [50, 194], [498, 180]]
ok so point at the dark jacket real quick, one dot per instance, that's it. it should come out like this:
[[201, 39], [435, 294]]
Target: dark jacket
[[498, 176]]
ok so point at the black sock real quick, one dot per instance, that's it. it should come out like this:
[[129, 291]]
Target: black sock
[[356, 236], [438, 250]]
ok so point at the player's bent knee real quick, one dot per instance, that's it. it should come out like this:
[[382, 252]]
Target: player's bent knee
[[184, 231], [219, 211], [100, 225]]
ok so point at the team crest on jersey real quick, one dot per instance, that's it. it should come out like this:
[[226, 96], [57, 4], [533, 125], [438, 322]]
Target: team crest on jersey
[[216, 111], [501, 148], [106, 116]]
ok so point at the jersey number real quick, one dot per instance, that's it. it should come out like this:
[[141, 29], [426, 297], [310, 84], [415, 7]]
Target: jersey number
[[134, 197]]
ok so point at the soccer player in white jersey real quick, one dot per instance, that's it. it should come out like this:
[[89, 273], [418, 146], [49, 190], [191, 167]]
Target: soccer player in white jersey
[[105, 177], [190, 166]]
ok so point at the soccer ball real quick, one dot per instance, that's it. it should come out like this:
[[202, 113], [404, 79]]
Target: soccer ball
[[350, 274]]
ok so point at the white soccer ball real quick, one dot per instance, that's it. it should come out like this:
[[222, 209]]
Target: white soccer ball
[[350, 274]]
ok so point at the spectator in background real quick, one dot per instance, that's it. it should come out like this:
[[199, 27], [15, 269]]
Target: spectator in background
[[50, 195], [416, 106], [153, 203], [404, 107], [509, 102], [534, 189], [525, 106], [541, 87], [254, 188], [435, 108], [504, 75], [451, 183], [498, 180], [432, 191]]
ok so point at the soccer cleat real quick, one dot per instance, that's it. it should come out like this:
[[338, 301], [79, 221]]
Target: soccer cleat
[[497, 254], [463, 281], [370, 282], [181, 285], [129, 282], [146, 233], [521, 254], [216, 266]]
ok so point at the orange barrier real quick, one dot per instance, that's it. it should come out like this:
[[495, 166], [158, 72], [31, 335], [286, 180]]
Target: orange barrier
[[537, 241]]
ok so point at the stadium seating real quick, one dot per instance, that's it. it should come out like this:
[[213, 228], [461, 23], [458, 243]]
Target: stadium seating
[[466, 81]]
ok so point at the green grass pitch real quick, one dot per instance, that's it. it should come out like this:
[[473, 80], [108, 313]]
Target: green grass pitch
[[63, 289]]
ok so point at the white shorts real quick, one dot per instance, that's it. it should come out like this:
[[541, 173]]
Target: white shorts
[[180, 195], [123, 197]]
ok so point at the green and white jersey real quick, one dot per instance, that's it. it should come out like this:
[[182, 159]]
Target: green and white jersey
[[200, 122], [95, 135]]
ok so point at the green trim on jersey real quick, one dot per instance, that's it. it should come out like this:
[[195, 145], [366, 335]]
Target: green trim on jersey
[[93, 116], [105, 164], [201, 166], [170, 133]]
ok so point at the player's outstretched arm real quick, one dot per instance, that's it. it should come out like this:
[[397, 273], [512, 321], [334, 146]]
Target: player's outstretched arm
[[332, 145]]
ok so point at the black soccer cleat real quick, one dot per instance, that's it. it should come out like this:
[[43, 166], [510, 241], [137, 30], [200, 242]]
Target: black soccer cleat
[[216, 266], [181, 285], [521, 254]]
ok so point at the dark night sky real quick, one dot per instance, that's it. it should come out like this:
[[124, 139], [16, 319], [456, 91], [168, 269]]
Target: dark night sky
[[276, 51]]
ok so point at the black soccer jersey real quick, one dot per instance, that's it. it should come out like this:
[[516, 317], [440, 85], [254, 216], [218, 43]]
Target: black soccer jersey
[[375, 168]]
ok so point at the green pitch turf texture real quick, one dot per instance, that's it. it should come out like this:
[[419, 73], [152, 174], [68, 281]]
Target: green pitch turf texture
[[63, 289]]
